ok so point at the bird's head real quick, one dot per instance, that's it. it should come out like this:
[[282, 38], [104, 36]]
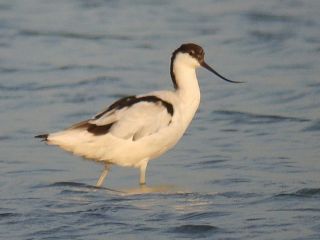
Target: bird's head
[[192, 55]]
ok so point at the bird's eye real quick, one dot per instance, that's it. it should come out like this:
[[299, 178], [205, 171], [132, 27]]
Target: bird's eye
[[192, 52]]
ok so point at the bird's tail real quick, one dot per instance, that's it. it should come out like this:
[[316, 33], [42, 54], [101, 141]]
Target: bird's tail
[[44, 137]]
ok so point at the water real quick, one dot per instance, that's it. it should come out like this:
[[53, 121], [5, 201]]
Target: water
[[248, 167]]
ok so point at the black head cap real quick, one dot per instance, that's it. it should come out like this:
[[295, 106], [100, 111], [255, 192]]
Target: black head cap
[[192, 49]]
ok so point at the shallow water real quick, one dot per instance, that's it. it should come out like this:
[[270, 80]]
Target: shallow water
[[249, 165]]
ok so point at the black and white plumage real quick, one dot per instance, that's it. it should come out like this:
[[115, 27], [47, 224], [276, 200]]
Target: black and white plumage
[[136, 129]]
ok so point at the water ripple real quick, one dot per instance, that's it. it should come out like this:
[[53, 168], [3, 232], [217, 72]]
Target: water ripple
[[268, 36], [5, 138], [45, 68], [238, 117], [203, 215], [8, 215], [196, 230], [82, 186], [212, 162], [314, 127], [304, 193], [265, 17], [45, 86], [72, 35]]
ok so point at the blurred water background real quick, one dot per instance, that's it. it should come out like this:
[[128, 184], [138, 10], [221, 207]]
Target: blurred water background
[[249, 165]]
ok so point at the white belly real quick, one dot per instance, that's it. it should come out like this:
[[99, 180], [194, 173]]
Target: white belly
[[111, 149]]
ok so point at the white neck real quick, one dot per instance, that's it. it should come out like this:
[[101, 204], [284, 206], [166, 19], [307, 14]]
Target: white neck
[[187, 87]]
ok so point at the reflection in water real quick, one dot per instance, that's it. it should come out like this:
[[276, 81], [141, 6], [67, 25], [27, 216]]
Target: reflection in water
[[143, 189]]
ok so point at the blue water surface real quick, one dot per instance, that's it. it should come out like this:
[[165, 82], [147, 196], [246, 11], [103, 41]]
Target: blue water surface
[[248, 166]]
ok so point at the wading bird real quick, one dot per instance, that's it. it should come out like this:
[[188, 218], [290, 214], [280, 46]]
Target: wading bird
[[136, 129]]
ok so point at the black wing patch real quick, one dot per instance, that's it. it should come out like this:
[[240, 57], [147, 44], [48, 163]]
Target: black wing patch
[[98, 130], [92, 128], [131, 100]]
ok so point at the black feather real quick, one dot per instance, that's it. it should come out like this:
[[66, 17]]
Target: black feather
[[99, 130], [131, 100], [44, 137]]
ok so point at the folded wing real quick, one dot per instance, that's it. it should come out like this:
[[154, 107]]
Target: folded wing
[[131, 118]]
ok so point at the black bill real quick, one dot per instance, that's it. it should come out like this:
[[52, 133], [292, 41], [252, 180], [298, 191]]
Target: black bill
[[206, 66]]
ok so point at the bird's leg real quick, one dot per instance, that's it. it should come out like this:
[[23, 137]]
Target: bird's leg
[[143, 168], [103, 175]]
